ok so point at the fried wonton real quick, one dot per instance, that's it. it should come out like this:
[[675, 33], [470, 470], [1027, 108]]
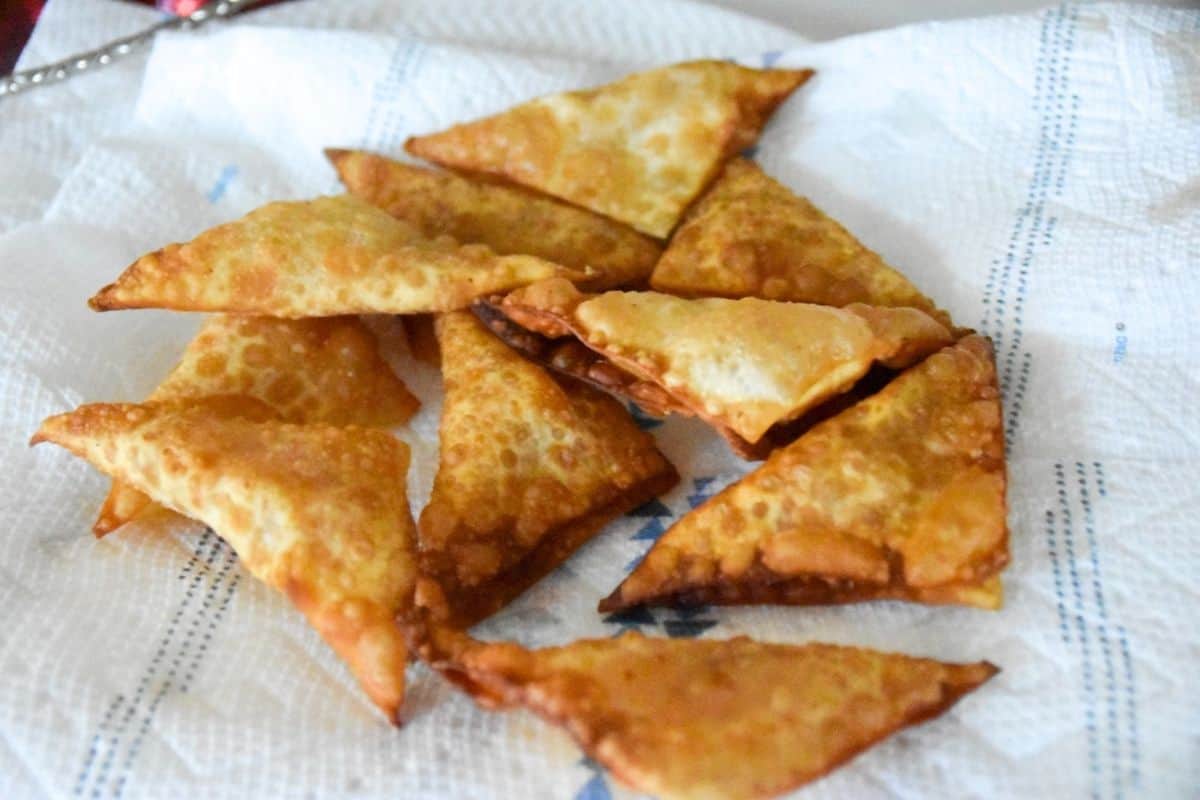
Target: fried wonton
[[309, 370], [750, 236], [531, 468], [902, 496], [747, 367], [318, 258], [316, 511], [700, 718], [508, 219], [638, 150]]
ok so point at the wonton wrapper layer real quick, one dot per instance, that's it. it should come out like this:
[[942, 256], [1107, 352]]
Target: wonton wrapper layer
[[318, 258], [902, 496], [318, 512], [310, 370], [749, 236], [638, 150], [507, 219], [530, 470], [744, 366], [699, 718]]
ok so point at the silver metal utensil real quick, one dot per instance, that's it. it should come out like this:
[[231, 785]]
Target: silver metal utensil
[[103, 56]]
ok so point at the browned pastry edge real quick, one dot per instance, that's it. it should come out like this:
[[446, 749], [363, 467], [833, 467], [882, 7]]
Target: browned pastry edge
[[463, 607], [572, 357], [761, 586], [441, 648]]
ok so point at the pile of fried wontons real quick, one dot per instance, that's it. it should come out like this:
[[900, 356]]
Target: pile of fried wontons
[[583, 248]]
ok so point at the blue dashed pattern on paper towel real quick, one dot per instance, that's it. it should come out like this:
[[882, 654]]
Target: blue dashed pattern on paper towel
[[660, 517], [702, 489], [643, 420], [1007, 287], [1108, 691], [1052, 545], [596, 787], [115, 746], [633, 619], [690, 623], [387, 125], [1100, 646], [650, 532], [1087, 686], [222, 183], [1106, 649], [653, 508], [686, 622], [1131, 708]]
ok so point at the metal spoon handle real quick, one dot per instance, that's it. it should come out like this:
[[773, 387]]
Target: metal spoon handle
[[119, 48]]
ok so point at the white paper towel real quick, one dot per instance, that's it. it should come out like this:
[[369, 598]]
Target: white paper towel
[[51, 127], [1038, 175]]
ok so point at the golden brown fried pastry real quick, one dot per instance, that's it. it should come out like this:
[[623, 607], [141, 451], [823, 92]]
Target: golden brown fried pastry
[[749, 236], [309, 370], [699, 718], [902, 496], [530, 469], [638, 150], [318, 512], [318, 258], [744, 366], [508, 219]]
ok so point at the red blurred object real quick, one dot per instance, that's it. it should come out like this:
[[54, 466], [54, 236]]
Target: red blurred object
[[16, 23], [179, 7]]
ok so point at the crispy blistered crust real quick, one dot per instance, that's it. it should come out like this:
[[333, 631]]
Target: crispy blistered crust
[[508, 219], [708, 718], [318, 512], [750, 236], [571, 357], [638, 150], [747, 367], [318, 258], [530, 469], [310, 370], [901, 496], [469, 606]]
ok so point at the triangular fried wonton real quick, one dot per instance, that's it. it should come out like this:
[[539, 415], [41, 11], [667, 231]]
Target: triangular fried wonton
[[700, 718], [530, 469], [902, 496], [308, 370], [744, 366], [750, 236], [318, 512], [318, 258], [508, 219], [638, 150]]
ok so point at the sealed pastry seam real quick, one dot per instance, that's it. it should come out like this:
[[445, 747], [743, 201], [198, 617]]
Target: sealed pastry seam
[[530, 467], [319, 258], [746, 366], [750, 236], [509, 220], [317, 512], [901, 496], [309, 370], [704, 718], [638, 150]]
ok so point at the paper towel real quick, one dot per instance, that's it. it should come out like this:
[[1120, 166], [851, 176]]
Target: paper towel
[[1037, 175], [50, 127]]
